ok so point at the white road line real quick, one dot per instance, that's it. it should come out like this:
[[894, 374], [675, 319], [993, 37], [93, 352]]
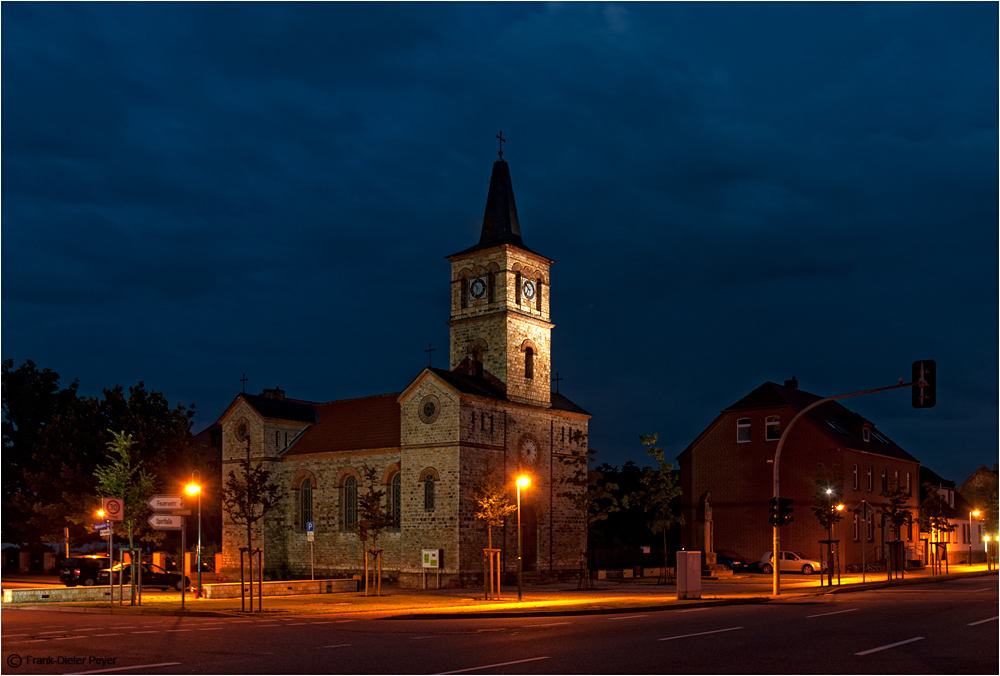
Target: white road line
[[627, 617], [420, 638], [321, 623], [210, 628], [268, 625], [138, 666], [96, 635], [69, 638], [550, 624], [342, 621], [43, 633], [13, 635], [296, 624], [891, 645], [701, 633], [176, 630], [339, 645], [490, 666], [692, 610], [988, 619], [836, 612], [155, 631]]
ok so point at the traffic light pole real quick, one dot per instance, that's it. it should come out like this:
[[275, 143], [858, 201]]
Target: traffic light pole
[[776, 542]]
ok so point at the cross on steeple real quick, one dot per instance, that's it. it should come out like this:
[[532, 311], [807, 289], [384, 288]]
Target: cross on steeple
[[429, 350], [556, 381], [502, 141], [244, 380]]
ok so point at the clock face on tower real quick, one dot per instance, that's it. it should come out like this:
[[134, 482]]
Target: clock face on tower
[[529, 451], [477, 288], [528, 289]]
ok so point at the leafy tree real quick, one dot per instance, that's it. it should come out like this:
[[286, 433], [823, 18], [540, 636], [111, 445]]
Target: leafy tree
[[894, 507], [121, 478], [492, 504], [828, 494], [247, 496], [374, 517], [659, 490]]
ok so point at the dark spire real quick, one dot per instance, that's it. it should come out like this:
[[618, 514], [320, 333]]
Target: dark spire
[[500, 224]]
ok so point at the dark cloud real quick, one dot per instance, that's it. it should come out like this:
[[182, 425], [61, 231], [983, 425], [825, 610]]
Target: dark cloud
[[733, 193]]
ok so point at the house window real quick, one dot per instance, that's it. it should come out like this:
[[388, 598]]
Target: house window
[[871, 483], [529, 363], [871, 527], [866, 434], [429, 492], [743, 430], [855, 477], [909, 490], [306, 503], [909, 530], [350, 502], [857, 525], [772, 428], [396, 499], [884, 486]]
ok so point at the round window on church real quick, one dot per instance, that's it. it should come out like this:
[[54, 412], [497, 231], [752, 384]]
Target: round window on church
[[429, 408]]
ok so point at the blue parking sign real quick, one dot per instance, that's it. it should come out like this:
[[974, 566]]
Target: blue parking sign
[[309, 526]]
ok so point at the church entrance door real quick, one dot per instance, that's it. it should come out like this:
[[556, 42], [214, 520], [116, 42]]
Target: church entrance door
[[529, 538]]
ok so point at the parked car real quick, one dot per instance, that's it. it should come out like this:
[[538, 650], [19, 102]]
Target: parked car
[[83, 570], [152, 576], [792, 562], [732, 560]]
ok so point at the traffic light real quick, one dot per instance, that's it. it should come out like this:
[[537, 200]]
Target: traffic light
[[925, 390], [773, 518], [785, 511]]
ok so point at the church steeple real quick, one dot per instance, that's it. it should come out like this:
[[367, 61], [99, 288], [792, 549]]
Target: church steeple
[[500, 224]]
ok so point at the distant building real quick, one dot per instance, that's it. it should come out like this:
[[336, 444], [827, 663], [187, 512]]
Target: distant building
[[967, 529], [430, 442], [730, 466]]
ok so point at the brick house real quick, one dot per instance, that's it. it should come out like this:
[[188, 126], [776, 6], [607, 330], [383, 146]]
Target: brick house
[[428, 443], [729, 466], [967, 531]]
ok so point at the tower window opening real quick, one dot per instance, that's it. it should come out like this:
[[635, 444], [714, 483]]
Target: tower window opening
[[529, 363]]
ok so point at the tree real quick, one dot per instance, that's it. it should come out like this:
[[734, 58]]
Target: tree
[[659, 491], [590, 493], [121, 478], [933, 516], [374, 517], [894, 508], [247, 497], [828, 494], [492, 504]]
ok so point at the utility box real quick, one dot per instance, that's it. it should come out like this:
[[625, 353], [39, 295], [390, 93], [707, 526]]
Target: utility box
[[688, 575]]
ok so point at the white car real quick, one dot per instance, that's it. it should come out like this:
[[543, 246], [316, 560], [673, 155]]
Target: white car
[[792, 562]]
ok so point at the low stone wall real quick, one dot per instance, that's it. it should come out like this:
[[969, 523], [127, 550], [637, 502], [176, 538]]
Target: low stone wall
[[231, 590], [64, 595]]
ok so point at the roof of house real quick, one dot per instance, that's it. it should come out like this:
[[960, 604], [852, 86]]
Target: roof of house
[[282, 409], [480, 386], [350, 425], [842, 425]]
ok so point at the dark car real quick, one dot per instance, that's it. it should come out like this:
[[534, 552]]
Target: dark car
[[151, 576], [83, 570], [732, 560]]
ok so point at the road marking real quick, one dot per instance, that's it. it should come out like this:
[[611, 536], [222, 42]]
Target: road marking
[[138, 666], [836, 612], [692, 610], [550, 624], [68, 638], [13, 635], [210, 628], [321, 623], [96, 635], [490, 666], [178, 630], [339, 645], [891, 645], [268, 625], [296, 624], [701, 633], [43, 633], [627, 617], [342, 621], [988, 619], [155, 631], [420, 638]]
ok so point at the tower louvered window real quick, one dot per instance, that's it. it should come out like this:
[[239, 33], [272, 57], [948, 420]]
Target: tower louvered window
[[429, 492], [350, 502], [397, 499]]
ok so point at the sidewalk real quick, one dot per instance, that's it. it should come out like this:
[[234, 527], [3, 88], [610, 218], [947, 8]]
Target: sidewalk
[[560, 598]]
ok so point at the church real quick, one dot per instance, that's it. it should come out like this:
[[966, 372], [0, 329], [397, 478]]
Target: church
[[493, 407]]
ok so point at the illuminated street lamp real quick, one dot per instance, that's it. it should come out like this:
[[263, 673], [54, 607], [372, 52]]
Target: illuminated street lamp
[[974, 512], [522, 481], [194, 488]]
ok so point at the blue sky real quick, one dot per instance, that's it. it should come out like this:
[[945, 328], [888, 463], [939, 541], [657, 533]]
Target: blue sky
[[732, 193]]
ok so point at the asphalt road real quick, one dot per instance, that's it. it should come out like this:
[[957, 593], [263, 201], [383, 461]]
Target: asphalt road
[[944, 627]]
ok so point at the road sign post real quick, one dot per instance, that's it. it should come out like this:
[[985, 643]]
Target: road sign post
[[310, 536]]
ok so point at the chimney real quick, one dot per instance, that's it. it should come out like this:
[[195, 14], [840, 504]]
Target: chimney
[[793, 383], [276, 393]]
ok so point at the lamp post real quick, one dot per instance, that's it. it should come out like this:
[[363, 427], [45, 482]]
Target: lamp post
[[194, 488], [522, 481], [974, 512]]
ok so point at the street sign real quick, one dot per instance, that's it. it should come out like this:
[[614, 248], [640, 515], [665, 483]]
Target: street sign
[[309, 526], [166, 521], [105, 533], [310, 536], [102, 526], [165, 503], [114, 508]]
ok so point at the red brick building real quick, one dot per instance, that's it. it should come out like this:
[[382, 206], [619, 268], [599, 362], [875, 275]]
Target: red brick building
[[730, 465]]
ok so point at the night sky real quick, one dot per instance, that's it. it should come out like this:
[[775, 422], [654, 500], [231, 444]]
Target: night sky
[[732, 193]]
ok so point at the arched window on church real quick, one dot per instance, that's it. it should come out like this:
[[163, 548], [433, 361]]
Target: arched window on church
[[429, 492], [396, 499], [350, 502], [529, 362], [305, 503]]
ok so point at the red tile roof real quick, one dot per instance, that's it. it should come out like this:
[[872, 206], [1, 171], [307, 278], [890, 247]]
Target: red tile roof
[[352, 425]]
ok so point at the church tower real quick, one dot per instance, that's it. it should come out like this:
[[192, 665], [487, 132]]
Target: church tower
[[500, 326]]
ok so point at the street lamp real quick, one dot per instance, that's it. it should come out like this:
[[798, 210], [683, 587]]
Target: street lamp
[[974, 512], [194, 488], [522, 482]]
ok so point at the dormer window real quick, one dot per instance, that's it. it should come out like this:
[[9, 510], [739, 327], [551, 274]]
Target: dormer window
[[772, 428], [743, 430], [866, 434]]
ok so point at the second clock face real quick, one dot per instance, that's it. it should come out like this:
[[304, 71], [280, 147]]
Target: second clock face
[[529, 451], [477, 288], [528, 289]]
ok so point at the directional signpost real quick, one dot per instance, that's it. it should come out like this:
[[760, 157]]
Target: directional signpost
[[165, 503], [310, 537], [174, 504], [166, 521]]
